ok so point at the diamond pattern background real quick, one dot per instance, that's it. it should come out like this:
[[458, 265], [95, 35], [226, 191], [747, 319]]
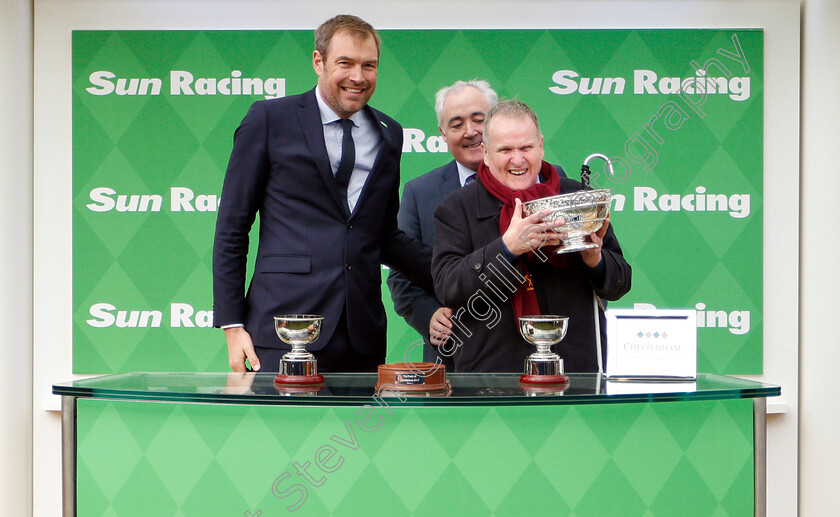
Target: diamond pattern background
[[147, 144], [691, 458]]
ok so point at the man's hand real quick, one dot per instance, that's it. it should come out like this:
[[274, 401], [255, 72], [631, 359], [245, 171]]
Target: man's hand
[[440, 326], [592, 256], [241, 347], [530, 233]]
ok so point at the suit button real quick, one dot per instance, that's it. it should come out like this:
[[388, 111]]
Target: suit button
[[349, 226], [348, 267], [477, 267]]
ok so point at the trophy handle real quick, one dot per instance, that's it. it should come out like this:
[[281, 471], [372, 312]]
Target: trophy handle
[[585, 172]]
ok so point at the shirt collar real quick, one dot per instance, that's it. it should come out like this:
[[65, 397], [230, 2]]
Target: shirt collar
[[463, 173]]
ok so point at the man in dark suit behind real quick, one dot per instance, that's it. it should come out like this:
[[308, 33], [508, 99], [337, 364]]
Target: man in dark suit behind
[[460, 110], [327, 191]]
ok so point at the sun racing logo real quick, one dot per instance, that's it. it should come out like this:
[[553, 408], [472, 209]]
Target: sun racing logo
[[181, 199], [647, 199], [182, 82], [181, 315]]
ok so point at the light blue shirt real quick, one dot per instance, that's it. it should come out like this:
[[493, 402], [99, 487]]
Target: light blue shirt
[[464, 173], [366, 139]]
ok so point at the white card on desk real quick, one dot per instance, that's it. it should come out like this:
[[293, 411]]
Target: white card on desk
[[651, 344]]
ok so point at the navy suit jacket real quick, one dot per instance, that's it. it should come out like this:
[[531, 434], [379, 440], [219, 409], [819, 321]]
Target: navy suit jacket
[[311, 257], [421, 197]]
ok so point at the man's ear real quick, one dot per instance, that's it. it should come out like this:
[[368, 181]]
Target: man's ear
[[317, 62]]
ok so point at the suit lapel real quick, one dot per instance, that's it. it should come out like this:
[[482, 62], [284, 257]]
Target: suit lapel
[[388, 137], [388, 142], [313, 131], [450, 181]]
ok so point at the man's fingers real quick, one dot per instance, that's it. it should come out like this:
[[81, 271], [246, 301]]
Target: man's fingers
[[547, 218], [440, 325], [439, 336], [443, 321], [240, 348], [252, 358], [603, 230], [237, 364]]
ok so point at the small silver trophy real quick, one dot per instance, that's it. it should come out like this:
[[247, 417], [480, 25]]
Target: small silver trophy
[[298, 367], [543, 366]]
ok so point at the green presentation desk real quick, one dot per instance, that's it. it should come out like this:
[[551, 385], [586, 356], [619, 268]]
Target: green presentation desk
[[219, 444]]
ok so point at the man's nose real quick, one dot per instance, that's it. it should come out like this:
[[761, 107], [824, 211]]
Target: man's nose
[[474, 128], [356, 74]]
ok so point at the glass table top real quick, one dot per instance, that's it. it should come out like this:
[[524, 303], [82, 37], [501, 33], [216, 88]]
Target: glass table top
[[356, 389]]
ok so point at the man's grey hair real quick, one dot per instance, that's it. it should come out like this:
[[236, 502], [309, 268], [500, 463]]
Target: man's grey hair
[[509, 109], [479, 84]]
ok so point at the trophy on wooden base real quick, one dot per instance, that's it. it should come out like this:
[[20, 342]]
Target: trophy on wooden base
[[298, 367], [412, 379], [543, 366]]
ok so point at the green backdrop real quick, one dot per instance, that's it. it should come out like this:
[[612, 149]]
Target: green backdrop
[[154, 114]]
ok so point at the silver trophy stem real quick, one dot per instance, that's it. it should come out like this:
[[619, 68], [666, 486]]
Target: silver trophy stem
[[298, 361], [575, 243], [544, 362]]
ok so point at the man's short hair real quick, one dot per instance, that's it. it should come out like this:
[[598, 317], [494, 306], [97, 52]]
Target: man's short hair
[[483, 86], [509, 109], [343, 22]]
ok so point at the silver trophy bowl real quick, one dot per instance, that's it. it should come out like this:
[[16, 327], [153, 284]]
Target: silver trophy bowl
[[542, 332], [298, 330], [584, 211]]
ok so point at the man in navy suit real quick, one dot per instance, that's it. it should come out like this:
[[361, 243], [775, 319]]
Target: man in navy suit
[[322, 170], [460, 110]]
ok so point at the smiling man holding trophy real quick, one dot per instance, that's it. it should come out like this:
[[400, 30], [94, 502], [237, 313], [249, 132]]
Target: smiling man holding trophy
[[498, 264]]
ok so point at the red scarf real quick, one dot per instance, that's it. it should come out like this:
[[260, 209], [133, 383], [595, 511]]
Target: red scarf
[[524, 300]]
